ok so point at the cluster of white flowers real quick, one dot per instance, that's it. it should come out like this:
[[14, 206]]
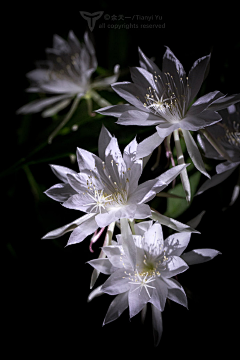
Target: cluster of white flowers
[[141, 265]]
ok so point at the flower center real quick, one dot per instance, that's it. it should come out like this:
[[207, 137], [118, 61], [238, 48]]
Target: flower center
[[100, 200], [166, 99], [142, 280]]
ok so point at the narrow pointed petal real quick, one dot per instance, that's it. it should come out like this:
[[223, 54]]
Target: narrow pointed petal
[[103, 141], [176, 243], [134, 166], [128, 243], [197, 75], [115, 110], [142, 227], [172, 223], [116, 308], [117, 283], [143, 211], [154, 233], [114, 254], [199, 256], [107, 81], [86, 228], [130, 92], [174, 266], [196, 220], [143, 78], [147, 146], [60, 192], [102, 265], [203, 102], [159, 294], [62, 171], [94, 293], [173, 66], [176, 292], [235, 194], [139, 118], [87, 160], [137, 301], [56, 108], [40, 104], [226, 166], [224, 102], [200, 121], [79, 202], [147, 63], [215, 180], [167, 177], [194, 153], [143, 193], [69, 227], [79, 182]]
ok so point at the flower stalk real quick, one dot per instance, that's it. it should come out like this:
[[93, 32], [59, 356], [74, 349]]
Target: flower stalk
[[65, 120], [180, 159]]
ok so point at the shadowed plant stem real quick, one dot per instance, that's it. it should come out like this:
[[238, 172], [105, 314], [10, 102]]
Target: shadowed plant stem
[[217, 146], [180, 159], [132, 222], [65, 120]]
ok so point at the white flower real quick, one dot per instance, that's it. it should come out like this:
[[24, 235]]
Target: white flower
[[145, 273], [223, 141], [67, 74], [164, 99], [107, 189]]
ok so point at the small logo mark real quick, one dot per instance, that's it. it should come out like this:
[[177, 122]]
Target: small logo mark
[[91, 18]]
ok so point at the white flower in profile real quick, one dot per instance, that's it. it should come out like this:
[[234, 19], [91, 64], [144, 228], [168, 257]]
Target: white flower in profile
[[222, 142], [107, 189], [67, 74], [142, 268]]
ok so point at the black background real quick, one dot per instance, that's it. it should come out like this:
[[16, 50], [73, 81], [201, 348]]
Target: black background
[[45, 285]]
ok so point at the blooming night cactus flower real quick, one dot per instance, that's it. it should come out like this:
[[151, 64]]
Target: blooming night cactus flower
[[141, 269], [164, 98], [224, 135], [67, 74], [107, 189]]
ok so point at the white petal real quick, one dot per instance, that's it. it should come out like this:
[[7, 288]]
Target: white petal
[[172, 223], [62, 171], [194, 153], [83, 230], [147, 146], [199, 256], [117, 306], [102, 265], [103, 141], [69, 227], [175, 244]]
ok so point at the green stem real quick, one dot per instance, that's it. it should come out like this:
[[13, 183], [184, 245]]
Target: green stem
[[65, 120], [99, 100], [132, 223], [180, 159]]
